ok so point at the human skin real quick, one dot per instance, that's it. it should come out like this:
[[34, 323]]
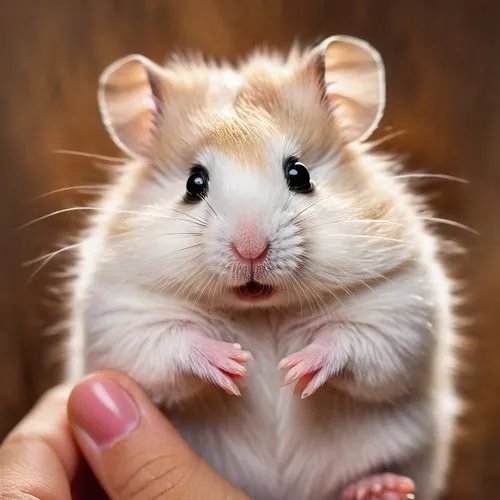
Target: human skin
[[104, 428]]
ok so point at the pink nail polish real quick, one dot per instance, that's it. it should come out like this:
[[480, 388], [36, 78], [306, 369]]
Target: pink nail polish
[[104, 410]]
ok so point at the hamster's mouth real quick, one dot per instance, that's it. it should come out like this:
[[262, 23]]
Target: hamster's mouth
[[254, 291]]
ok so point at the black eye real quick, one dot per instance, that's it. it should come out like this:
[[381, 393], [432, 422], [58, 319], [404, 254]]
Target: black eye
[[197, 184], [297, 176]]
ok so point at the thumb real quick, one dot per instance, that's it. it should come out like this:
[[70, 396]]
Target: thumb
[[133, 450]]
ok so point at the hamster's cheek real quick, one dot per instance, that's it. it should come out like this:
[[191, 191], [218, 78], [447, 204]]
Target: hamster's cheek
[[331, 252], [216, 247]]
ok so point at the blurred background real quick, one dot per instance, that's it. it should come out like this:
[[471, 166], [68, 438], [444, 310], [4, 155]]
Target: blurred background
[[443, 81]]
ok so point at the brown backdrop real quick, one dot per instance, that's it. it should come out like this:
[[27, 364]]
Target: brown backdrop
[[443, 75]]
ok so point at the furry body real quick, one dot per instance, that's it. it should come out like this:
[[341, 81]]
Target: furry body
[[352, 265]]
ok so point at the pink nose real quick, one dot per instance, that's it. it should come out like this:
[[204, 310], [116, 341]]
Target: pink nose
[[249, 244]]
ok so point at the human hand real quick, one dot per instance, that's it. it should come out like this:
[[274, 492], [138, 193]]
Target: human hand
[[132, 450]]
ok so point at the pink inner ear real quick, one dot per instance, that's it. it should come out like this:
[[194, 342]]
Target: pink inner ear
[[157, 94], [151, 121], [316, 67], [352, 84], [131, 101], [146, 127]]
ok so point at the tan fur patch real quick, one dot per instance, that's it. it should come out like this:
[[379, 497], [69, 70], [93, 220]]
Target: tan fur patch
[[276, 97], [241, 139], [293, 98]]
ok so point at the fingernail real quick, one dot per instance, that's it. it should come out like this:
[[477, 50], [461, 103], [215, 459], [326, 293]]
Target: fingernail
[[406, 482], [103, 410]]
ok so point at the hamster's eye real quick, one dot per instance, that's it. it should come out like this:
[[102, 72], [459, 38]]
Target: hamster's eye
[[197, 184], [297, 176]]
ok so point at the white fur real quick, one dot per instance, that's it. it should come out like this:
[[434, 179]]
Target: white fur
[[138, 292]]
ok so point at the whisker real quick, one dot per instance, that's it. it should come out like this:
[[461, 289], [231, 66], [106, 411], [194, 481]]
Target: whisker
[[318, 282], [356, 221], [102, 210], [452, 223], [184, 282], [375, 221], [198, 281], [318, 300], [212, 209], [198, 233], [384, 139], [128, 241], [432, 176], [46, 259], [60, 250], [220, 282], [365, 236], [343, 287], [202, 290], [300, 284], [57, 212], [90, 155], [189, 283], [190, 247], [299, 294], [288, 201], [164, 281], [180, 212], [308, 208], [51, 254], [97, 187], [284, 284], [325, 273]]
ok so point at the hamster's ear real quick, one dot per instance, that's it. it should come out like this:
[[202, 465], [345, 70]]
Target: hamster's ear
[[131, 98], [353, 76]]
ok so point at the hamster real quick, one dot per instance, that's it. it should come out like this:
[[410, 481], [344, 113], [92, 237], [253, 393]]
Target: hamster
[[267, 278]]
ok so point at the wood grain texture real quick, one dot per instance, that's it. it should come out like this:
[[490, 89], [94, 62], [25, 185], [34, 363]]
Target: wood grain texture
[[443, 79]]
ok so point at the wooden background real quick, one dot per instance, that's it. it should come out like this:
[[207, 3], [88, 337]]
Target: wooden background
[[443, 70]]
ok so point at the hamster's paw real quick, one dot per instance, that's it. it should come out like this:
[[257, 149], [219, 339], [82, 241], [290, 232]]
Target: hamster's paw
[[221, 363], [314, 365], [381, 487]]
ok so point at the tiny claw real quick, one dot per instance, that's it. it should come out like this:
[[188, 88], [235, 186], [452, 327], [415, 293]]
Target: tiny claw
[[243, 356], [219, 363], [234, 368], [283, 383], [303, 383], [309, 391], [232, 388], [283, 363], [290, 377], [239, 381]]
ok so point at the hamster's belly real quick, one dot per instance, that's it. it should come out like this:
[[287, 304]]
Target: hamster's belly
[[275, 446]]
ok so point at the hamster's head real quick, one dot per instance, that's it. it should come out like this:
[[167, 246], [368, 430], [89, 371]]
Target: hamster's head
[[250, 187]]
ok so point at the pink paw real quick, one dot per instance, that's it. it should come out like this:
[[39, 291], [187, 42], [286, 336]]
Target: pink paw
[[381, 487], [221, 363], [312, 366]]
